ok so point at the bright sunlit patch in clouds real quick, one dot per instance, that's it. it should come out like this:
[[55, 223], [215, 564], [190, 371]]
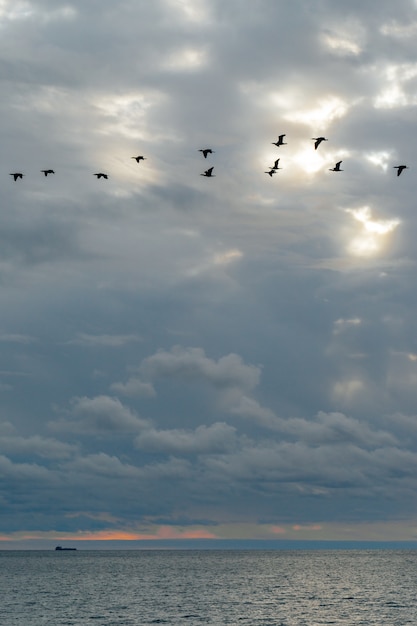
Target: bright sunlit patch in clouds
[[192, 10], [186, 59], [371, 239], [219, 260], [341, 325], [312, 161], [23, 9], [347, 39], [345, 390], [15, 10], [328, 110], [380, 159], [394, 29], [227, 257], [126, 106], [309, 161], [393, 95], [342, 46]]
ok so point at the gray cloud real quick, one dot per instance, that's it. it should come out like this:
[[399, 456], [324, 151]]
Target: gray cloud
[[292, 395], [192, 364], [99, 415], [217, 438], [107, 341]]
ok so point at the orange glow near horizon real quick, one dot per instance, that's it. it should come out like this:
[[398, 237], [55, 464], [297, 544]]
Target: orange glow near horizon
[[383, 531], [312, 527], [163, 532]]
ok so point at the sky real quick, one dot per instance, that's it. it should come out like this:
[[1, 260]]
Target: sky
[[192, 357]]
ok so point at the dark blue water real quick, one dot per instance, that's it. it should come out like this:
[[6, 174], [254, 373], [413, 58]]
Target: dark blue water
[[268, 588]]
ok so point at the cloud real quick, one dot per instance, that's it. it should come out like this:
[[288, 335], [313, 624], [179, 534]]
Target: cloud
[[105, 341], [36, 446], [214, 439], [134, 387], [292, 397], [29, 472], [188, 364], [16, 338], [102, 415]]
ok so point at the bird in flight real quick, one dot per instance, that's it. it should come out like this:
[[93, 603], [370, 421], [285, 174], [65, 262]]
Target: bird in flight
[[280, 141], [400, 168], [208, 172], [101, 175], [16, 175], [206, 151], [272, 171], [317, 141], [336, 168], [275, 166], [46, 172], [139, 158]]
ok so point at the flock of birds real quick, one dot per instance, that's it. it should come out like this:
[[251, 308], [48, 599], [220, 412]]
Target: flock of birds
[[317, 141], [209, 172]]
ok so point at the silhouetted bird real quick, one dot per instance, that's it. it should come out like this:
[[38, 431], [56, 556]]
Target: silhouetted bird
[[139, 158], [275, 166], [206, 151], [318, 140], [272, 171], [280, 141], [336, 168], [46, 172], [400, 168], [101, 175], [16, 175], [208, 172]]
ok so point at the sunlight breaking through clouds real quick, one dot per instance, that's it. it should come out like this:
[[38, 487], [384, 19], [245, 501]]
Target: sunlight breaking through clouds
[[219, 260], [23, 10], [394, 79], [380, 159], [341, 325], [370, 240], [191, 10], [225, 258], [395, 29], [347, 39], [309, 161], [15, 10], [127, 114], [186, 59], [342, 46], [327, 111], [344, 391]]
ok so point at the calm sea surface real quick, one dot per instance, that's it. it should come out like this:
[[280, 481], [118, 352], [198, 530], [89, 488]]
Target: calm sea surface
[[191, 587]]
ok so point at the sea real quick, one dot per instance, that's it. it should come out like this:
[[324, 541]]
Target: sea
[[194, 587]]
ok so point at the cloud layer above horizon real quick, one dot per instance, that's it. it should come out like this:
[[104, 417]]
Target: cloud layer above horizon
[[184, 356]]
